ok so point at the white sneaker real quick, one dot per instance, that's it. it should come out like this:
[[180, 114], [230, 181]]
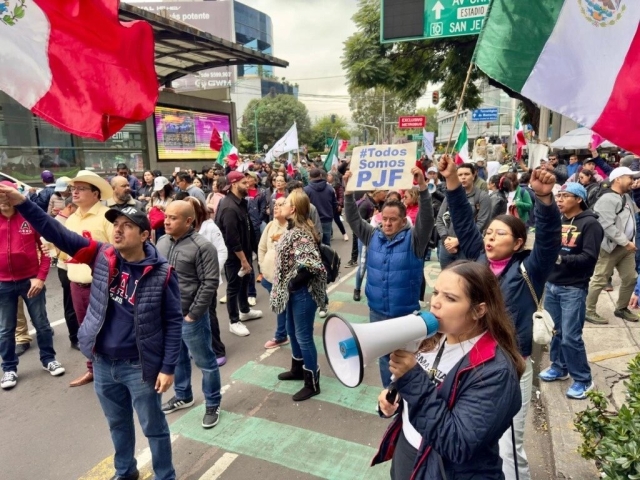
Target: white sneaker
[[55, 368], [252, 301], [346, 237], [223, 299], [9, 380], [239, 329], [250, 315], [323, 313]]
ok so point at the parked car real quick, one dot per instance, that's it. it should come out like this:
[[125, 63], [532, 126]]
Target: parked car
[[23, 187]]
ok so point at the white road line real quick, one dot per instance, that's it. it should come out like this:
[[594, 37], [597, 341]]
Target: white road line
[[53, 324], [144, 457], [342, 280], [268, 353], [224, 389], [219, 467]]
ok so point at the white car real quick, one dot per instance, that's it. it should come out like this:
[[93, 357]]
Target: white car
[[23, 187]]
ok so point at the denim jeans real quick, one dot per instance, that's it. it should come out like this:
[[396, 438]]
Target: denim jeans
[[362, 265], [196, 342], [10, 293], [237, 290], [120, 390], [327, 230], [383, 362], [447, 258], [567, 307], [301, 312], [281, 318]]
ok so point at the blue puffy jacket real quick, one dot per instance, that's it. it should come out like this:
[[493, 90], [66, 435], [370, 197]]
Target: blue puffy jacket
[[462, 420], [538, 263], [157, 314]]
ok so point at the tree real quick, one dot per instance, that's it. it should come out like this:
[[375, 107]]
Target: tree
[[275, 115], [324, 128], [406, 68], [367, 108]]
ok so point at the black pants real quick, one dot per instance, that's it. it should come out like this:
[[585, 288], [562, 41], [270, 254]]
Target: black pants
[[336, 218], [69, 312], [237, 289], [354, 248], [216, 341], [404, 458]]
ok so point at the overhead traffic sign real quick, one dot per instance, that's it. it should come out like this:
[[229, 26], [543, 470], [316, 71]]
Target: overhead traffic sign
[[408, 20], [484, 115]]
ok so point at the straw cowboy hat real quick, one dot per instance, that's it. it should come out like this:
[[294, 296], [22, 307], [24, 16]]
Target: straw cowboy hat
[[86, 176]]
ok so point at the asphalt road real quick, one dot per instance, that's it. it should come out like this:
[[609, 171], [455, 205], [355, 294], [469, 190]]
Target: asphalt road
[[53, 432]]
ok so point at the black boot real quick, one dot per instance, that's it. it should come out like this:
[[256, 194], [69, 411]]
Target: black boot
[[356, 294], [311, 386], [296, 371]]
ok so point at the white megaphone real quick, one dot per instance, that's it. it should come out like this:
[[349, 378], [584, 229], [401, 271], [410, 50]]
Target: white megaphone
[[350, 347]]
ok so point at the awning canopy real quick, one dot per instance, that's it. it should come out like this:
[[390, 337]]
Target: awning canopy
[[577, 139], [182, 50]]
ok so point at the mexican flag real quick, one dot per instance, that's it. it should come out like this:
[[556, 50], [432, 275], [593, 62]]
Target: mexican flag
[[76, 65], [462, 146], [228, 152], [520, 139], [575, 57], [332, 156]]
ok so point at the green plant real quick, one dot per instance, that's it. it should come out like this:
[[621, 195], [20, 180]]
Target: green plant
[[612, 438]]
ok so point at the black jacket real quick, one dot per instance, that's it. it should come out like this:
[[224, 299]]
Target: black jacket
[[233, 220], [323, 197], [498, 204]]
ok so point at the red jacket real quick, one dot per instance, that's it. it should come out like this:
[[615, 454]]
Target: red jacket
[[20, 251]]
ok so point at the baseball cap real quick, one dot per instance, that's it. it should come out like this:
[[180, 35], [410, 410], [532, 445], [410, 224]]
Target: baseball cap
[[621, 171], [432, 169], [61, 185], [589, 160], [159, 183], [627, 160], [7, 183], [234, 177], [47, 176], [252, 174], [132, 213], [574, 188]]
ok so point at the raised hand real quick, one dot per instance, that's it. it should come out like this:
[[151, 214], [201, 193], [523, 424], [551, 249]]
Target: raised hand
[[542, 182], [447, 166]]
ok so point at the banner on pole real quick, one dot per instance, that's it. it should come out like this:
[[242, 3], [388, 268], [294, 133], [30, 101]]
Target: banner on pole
[[386, 167]]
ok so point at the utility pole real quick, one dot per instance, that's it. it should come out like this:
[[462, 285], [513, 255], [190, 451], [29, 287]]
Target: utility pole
[[255, 127], [384, 116]]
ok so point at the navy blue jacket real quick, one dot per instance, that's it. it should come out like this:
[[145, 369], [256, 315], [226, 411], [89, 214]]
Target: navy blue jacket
[[462, 420], [323, 196], [539, 262], [257, 208], [157, 314], [43, 196]]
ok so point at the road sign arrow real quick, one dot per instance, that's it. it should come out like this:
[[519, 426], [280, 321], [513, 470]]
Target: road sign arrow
[[438, 7]]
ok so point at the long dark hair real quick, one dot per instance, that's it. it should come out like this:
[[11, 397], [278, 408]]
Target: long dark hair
[[481, 286]]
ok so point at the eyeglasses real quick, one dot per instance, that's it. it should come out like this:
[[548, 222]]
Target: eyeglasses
[[565, 195], [79, 189], [499, 233]]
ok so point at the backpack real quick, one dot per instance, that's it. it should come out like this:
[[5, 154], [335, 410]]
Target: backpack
[[331, 262], [605, 188]]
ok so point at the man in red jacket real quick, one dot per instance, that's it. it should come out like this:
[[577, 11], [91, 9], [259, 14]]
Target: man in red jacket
[[22, 274]]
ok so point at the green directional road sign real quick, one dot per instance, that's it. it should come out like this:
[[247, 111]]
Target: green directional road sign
[[407, 20]]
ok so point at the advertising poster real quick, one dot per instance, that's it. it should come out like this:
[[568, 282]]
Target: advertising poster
[[386, 167], [185, 134]]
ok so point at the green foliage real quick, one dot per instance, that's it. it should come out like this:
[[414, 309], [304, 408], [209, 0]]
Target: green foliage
[[245, 145], [324, 129], [366, 108], [275, 116], [612, 438]]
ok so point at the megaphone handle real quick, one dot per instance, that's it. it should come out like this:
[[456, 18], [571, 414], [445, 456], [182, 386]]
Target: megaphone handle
[[392, 394]]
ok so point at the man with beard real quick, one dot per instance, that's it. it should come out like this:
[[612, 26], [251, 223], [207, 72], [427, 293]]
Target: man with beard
[[122, 195], [233, 219]]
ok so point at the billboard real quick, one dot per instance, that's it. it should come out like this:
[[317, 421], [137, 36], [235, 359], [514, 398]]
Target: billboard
[[215, 18], [185, 134]]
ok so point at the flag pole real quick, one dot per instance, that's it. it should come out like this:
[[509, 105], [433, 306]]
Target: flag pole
[[455, 119]]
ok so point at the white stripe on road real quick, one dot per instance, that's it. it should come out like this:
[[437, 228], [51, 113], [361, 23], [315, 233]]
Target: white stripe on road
[[219, 467], [342, 279], [53, 324], [144, 457]]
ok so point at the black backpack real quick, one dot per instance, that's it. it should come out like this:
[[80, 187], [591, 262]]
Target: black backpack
[[331, 262], [605, 188]]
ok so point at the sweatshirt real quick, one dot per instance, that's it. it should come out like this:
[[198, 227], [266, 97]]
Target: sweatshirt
[[20, 257], [324, 198], [581, 239]]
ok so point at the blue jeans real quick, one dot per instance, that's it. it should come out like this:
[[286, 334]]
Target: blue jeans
[[383, 362], [301, 312], [567, 307], [362, 264], [196, 340], [447, 258], [281, 318], [327, 229], [10, 293], [120, 390]]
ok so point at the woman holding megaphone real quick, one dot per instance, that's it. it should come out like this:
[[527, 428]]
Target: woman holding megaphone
[[461, 392]]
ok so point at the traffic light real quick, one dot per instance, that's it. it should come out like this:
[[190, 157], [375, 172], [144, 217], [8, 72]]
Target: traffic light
[[435, 97]]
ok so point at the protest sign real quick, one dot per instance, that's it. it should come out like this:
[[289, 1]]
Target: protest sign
[[386, 167]]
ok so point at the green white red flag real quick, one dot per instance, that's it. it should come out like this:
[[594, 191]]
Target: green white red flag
[[462, 146]]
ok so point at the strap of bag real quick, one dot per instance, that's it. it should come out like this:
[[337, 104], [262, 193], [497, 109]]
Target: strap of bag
[[533, 292], [515, 452], [443, 474]]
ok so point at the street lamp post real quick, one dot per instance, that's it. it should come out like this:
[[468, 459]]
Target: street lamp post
[[370, 126], [255, 126]]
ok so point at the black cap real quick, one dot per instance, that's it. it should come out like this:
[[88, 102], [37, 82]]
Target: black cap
[[132, 213]]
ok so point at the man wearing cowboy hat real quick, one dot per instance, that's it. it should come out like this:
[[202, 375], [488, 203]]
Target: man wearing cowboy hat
[[87, 189]]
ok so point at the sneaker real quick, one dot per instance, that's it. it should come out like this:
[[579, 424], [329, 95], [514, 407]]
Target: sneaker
[[132, 476], [54, 368], [211, 417], [250, 315], [356, 294], [238, 329], [323, 313], [251, 301], [9, 380], [593, 317], [223, 299], [174, 404], [259, 278], [578, 391], [345, 237], [221, 361], [626, 314], [551, 375], [350, 264], [273, 343], [22, 347]]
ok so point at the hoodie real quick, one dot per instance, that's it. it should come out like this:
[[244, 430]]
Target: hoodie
[[323, 196], [581, 239]]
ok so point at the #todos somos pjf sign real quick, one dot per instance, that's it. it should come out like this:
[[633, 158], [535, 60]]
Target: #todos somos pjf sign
[[385, 167]]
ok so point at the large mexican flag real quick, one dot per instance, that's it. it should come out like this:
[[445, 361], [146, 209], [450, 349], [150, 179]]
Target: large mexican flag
[[580, 58]]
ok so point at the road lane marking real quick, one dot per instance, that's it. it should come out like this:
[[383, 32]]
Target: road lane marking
[[291, 447], [219, 467], [53, 324]]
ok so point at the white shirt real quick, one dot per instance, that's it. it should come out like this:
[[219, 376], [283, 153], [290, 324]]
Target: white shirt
[[450, 357], [211, 232]]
